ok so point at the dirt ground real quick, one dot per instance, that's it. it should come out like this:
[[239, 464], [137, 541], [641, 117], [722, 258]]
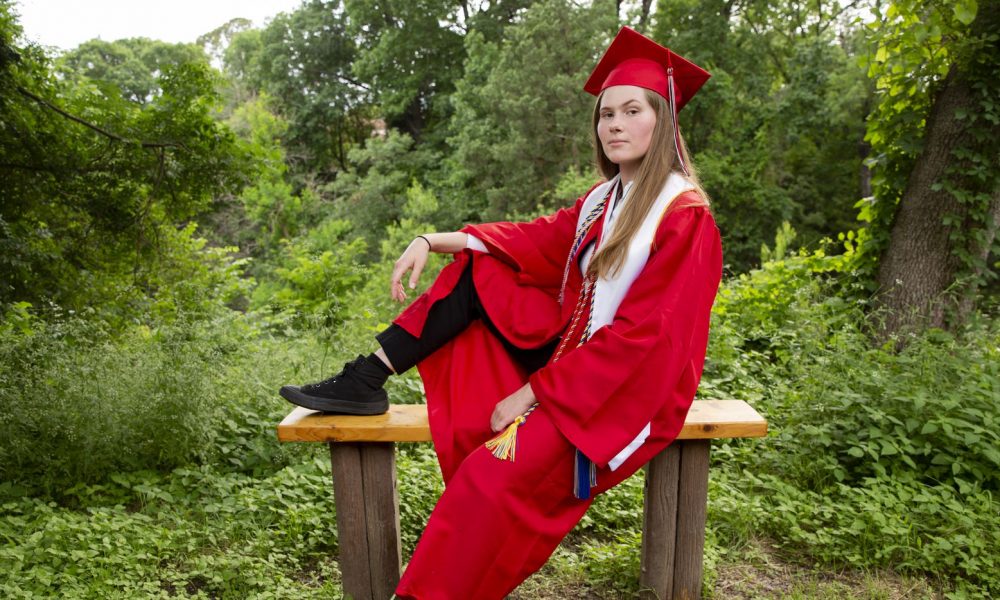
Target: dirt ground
[[758, 574]]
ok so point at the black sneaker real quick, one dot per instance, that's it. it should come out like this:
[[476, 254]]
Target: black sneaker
[[357, 390]]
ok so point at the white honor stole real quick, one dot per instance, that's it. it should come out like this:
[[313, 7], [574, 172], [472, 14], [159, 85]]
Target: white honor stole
[[609, 292]]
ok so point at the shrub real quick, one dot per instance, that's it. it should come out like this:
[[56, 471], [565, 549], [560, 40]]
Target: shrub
[[78, 403], [313, 277], [876, 457], [193, 532]]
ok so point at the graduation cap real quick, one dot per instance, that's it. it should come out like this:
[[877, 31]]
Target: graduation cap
[[634, 59]]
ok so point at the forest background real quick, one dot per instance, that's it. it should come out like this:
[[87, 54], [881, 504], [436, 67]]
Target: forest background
[[184, 228]]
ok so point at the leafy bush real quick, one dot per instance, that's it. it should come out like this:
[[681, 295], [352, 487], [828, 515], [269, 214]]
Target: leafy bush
[[313, 276], [78, 403], [876, 458], [195, 532], [420, 486], [372, 194]]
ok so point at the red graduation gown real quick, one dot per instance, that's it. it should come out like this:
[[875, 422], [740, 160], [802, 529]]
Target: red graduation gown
[[641, 369]]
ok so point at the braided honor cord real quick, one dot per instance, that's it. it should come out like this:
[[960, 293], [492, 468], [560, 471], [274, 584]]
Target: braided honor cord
[[504, 445]]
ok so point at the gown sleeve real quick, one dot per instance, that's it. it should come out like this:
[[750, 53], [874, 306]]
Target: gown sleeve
[[536, 249], [603, 393]]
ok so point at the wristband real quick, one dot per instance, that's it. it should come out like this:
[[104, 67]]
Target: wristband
[[429, 246]]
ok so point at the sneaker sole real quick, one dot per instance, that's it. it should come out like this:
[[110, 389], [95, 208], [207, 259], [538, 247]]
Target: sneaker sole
[[376, 404]]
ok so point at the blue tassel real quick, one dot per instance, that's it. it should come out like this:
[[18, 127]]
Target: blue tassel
[[584, 476]]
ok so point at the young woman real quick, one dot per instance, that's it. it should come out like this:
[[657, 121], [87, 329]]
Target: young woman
[[579, 338]]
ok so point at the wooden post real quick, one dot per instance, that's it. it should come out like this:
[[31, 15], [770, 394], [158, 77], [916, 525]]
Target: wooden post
[[659, 530], [692, 507], [367, 501]]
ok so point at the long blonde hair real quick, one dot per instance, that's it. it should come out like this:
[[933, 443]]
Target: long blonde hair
[[660, 160]]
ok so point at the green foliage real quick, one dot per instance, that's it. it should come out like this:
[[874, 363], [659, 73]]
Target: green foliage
[[782, 239], [133, 66], [196, 532], [77, 405], [372, 192], [408, 53], [411, 54], [875, 458], [215, 43], [421, 485], [89, 208], [614, 564], [776, 131], [188, 277], [933, 422], [80, 400], [314, 275], [272, 210], [303, 59], [520, 119], [240, 64]]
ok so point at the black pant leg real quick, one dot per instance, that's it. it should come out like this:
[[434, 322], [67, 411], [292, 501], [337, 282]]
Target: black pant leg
[[446, 319]]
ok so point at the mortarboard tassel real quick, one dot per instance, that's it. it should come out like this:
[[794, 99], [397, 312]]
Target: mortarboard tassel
[[673, 118]]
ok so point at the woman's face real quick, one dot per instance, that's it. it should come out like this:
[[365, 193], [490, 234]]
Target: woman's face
[[625, 127]]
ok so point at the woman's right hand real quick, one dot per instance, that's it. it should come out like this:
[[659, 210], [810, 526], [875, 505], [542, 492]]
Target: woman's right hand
[[414, 259]]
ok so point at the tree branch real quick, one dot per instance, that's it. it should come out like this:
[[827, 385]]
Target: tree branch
[[834, 16], [93, 127], [775, 59], [50, 168]]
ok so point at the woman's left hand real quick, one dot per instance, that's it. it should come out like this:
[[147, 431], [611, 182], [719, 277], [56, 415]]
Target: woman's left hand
[[512, 407]]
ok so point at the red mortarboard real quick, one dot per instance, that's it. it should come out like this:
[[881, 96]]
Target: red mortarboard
[[634, 59]]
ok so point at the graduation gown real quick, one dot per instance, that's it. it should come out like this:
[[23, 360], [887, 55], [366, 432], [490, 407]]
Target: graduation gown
[[619, 398]]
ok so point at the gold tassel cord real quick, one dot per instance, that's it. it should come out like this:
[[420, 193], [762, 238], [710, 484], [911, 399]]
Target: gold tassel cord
[[504, 445]]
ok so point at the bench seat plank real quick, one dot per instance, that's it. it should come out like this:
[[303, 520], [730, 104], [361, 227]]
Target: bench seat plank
[[707, 419]]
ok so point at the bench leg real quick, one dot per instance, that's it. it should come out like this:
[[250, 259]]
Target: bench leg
[[673, 540], [692, 507], [367, 501], [659, 531]]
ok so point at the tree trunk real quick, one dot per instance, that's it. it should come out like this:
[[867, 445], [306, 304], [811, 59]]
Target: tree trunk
[[644, 17], [918, 273], [864, 173]]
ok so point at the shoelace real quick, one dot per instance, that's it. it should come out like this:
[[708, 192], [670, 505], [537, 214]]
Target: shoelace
[[347, 367]]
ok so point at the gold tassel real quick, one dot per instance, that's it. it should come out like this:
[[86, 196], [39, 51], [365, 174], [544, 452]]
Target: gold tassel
[[504, 445]]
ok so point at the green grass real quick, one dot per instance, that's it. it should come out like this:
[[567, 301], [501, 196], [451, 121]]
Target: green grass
[[210, 533], [192, 531]]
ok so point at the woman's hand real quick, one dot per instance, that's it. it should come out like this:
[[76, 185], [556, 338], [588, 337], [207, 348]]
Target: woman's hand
[[511, 408], [414, 258]]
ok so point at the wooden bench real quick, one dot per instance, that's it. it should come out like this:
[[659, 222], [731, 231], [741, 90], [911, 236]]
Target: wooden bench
[[362, 452]]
